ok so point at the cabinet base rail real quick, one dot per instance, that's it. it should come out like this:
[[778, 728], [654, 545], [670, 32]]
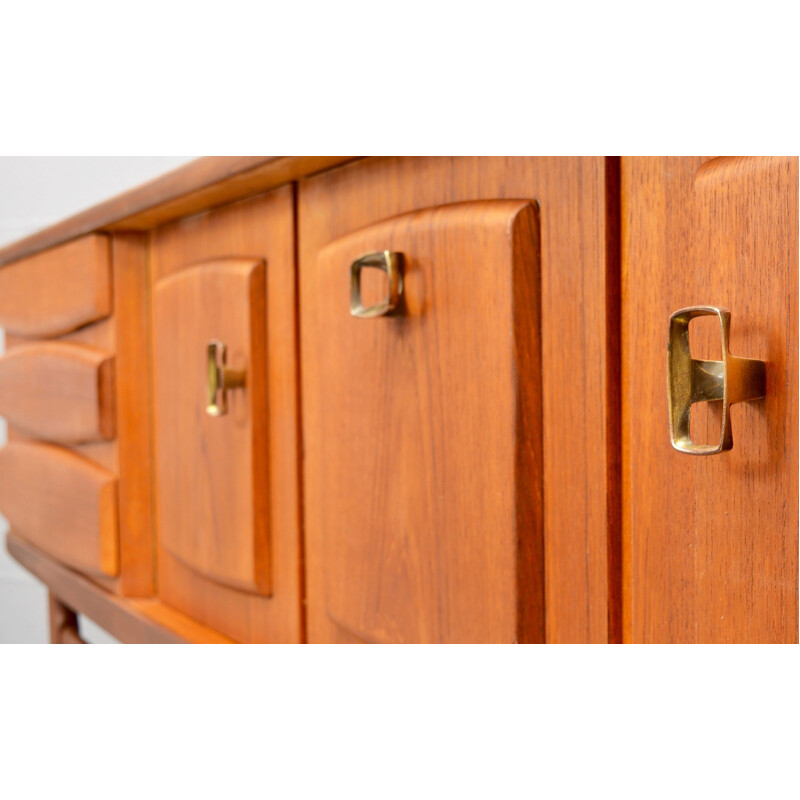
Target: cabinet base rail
[[130, 621]]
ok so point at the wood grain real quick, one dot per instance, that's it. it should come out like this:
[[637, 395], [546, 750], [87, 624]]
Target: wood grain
[[134, 389], [100, 336], [577, 283], [261, 228], [195, 187], [57, 291], [58, 391], [423, 479], [130, 621], [711, 551], [213, 480], [63, 503]]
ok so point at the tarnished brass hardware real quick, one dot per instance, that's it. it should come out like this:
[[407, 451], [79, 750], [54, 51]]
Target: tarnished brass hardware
[[219, 379], [689, 380], [392, 264]]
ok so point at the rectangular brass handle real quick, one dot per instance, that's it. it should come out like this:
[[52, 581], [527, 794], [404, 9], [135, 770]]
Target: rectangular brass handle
[[389, 262], [689, 380], [219, 378]]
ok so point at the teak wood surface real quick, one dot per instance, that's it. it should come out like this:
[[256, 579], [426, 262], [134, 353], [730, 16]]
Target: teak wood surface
[[212, 471], [57, 291], [711, 547], [620, 538], [134, 395], [261, 228], [63, 503], [577, 205], [423, 432], [59, 391], [100, 336], [195, 187], [129, 620]]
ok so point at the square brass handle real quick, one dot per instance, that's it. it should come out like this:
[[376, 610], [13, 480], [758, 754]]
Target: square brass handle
[[390, 263], [689, 380]]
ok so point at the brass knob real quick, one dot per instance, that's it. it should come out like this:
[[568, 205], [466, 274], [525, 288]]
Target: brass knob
[[219, 378], [689, 380], [392, 264]]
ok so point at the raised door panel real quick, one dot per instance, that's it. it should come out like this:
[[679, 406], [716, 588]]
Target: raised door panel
[[578, 202], [711, 542], [212, 485], [63, 503], [422, 431], [257, 230]]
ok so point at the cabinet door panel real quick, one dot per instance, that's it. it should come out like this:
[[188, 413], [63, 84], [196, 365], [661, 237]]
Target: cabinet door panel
[[422, 430], [212, 470], [259, 229], [711, 546]]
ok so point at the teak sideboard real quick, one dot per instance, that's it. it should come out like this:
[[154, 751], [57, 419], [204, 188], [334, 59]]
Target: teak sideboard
[[329, 399]]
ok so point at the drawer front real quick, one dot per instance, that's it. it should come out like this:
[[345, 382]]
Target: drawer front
[[58, 391], [63, 503], [57, 291], [422, 429], [212, 468]]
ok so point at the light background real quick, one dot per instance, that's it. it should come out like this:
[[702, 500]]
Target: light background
[[498, 78], [35, 192]]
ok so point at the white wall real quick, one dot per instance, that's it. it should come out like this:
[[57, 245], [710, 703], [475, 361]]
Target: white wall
[[35, 192]]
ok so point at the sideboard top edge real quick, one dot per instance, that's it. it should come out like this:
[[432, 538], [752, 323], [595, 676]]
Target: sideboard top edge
[[201, 184]]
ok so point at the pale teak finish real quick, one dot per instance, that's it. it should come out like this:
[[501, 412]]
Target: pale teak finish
[[490, 463]]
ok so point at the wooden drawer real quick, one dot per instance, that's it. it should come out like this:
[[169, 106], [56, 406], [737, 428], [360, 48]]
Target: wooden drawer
[[59, 290], [63, 503], [423, 430], [59, 391], [76, 373]]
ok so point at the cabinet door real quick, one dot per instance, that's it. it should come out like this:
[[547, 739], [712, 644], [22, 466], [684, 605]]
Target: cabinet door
[[422, 431], [711, 546], [211, 448], [228, 486]]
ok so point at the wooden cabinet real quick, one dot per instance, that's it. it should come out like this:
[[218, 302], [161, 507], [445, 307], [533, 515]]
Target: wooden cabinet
[[208, 444]]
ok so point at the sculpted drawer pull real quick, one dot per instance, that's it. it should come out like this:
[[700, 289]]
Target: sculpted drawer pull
[[219, 378], [689, 380], [392, 264]]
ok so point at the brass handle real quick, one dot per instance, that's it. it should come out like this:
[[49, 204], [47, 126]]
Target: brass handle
[[219, 379], [689, 380], [392, 264]]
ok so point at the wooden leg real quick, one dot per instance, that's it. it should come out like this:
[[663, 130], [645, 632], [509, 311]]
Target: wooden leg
[[63, 623]]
